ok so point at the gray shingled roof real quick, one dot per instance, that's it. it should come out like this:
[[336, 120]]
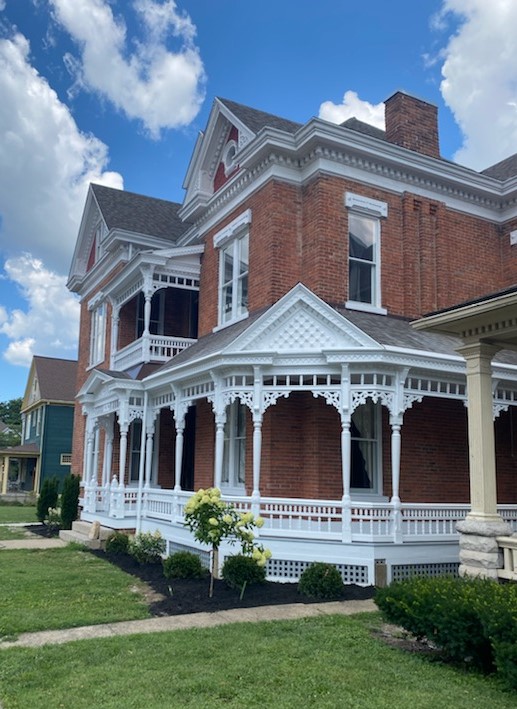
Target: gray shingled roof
[[387, 330], [140, 214], [503, 170], [26, 449], [362, 127], [56, 378], [255, 119]]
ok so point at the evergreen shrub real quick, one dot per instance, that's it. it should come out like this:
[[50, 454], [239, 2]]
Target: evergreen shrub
[[239, 571], [69, 501], [117, 543], [183, 565], [147, 547], [47, 498], [320, 580]]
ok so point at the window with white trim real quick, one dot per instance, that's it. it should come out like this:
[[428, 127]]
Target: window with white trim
[[365, 463], [66, 459], [97, 334], [234, 455], [364, 251], [233, 242], [134, 450]]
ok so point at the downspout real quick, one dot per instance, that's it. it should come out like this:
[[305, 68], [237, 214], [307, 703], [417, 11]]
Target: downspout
[[141, 467]]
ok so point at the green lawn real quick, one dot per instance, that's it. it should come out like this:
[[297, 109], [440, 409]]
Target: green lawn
[[63, 588], [12, 533], [326, 662], [17, 513]]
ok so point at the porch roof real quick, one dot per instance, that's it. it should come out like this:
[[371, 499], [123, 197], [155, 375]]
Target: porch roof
[[26, 450]]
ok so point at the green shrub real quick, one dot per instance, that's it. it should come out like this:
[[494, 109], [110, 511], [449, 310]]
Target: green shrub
[[147, 547], [117, 543], [446, 612], [53, 520], [183, 565], [69, 501], [239, 571], [497, 611], [47, 497], [320, 580]]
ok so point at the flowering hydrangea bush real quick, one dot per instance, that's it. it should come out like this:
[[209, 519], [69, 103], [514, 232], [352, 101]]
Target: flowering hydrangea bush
[[211, 520]]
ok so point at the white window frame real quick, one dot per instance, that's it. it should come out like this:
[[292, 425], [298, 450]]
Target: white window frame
[[66, 459], [234, 449], [38, 421], [376, 488], [373, 210], [232, 238], [98, 317]]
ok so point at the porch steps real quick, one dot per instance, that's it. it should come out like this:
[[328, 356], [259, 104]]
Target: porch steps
[[87, 534]]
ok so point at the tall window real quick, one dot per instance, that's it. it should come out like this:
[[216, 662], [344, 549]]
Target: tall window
[[365, 463], [98, 334], [134, 450], [233, 290], [363, 242], [234, 457]]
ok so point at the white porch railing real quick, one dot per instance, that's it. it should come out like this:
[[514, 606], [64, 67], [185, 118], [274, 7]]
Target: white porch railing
[[155, 348], [509, 547], [299, 518]]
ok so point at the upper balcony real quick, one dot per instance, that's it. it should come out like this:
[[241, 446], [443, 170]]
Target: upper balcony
[[150, 348]]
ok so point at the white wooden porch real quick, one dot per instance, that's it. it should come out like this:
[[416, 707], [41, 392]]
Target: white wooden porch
[[359, 535]]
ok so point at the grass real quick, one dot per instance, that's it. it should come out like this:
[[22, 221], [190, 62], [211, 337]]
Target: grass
[[17, 513], [63, 588], [12, 533], [325, 663]]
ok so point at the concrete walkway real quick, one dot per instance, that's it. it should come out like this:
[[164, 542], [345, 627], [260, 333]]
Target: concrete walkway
[[32, 543], [193, 620]]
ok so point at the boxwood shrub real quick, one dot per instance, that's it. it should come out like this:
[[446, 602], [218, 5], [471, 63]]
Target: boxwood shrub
[[320, 580]]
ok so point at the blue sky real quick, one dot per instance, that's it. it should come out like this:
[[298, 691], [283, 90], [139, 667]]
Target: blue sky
[[116, 92]]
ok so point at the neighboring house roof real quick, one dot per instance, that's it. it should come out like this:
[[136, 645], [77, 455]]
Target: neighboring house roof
[[502, 170], [26, 450], [138, 213], [4, 428], [255, 120], [51, 379]]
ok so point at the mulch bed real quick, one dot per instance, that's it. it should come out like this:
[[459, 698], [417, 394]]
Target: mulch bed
[[178, 596]]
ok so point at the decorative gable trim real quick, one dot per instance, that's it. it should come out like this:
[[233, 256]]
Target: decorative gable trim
[[301, 322], [232, 229]]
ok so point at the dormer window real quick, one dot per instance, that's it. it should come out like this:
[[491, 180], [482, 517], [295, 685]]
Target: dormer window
[[228, 157]]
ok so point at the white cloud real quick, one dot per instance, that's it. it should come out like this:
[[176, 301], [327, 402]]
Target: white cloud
[[161, 87], [50, 324], [353, 106], [46, 163], [480, 78]]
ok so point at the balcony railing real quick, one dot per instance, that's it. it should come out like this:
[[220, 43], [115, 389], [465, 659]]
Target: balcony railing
[[154, 348]]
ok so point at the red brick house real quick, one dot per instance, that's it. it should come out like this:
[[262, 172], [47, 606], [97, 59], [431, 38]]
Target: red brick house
[[257, 337]]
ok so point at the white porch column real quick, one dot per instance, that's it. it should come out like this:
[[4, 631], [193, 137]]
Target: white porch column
[[124, 428], [396, 425], [479, 553], [257, 415], [146, 351], [90, 437], [149, 433], [220, 420], [178, 451], [108, 454], [95, 463], [115, 321], [346, 463]]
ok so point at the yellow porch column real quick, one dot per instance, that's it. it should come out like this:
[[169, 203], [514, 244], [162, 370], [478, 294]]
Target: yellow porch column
[[479, 552], [5, 474]]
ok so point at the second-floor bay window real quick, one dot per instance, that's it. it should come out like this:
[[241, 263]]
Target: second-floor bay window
[[233, 242], [97, 334]]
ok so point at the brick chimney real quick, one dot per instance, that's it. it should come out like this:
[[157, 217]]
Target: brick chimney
[[412, 123]]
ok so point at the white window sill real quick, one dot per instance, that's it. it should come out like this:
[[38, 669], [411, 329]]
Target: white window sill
[[230, 322], [365, 307]]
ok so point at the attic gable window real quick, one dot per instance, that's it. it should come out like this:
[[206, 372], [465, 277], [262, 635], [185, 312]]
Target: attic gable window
[[233, 242], [364, 252]]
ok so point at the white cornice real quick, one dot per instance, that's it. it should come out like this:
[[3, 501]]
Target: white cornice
[[324, 147]]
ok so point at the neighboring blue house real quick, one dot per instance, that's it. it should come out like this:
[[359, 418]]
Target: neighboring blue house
[[47, 425]]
